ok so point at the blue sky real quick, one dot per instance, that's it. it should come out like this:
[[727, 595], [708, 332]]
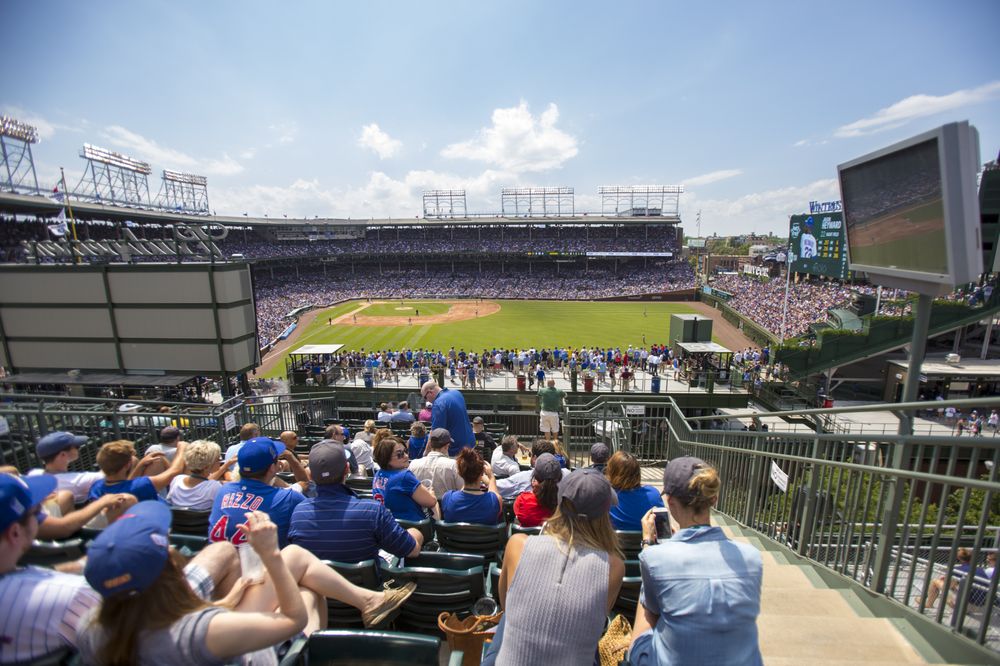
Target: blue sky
[[353, 109]]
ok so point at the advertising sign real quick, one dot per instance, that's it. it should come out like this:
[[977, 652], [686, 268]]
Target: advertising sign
[[817, 245]]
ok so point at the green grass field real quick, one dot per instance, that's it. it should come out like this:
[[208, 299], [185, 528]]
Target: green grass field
[[517, 324]]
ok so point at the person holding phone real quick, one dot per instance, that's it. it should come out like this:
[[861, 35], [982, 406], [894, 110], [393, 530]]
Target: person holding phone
[[700, 594]]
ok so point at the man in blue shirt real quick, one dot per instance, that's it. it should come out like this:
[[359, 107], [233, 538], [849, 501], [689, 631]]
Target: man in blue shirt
[[337, 525], [449, 412], [253, 492]]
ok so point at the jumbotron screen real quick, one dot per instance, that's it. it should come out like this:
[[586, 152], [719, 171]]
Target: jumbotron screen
[[895, 212], [817, 245]]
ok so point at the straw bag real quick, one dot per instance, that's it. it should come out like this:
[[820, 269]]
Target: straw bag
[[469, 634], [615, 641]]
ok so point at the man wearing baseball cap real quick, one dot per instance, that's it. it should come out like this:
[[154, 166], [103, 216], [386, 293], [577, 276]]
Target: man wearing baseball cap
[[57, 450], [170, 437], [436, 466], [336, 525], [42, 607], [257, 460]]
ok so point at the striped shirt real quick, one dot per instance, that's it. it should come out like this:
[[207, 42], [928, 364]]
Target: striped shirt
[[337, 525], [41, 612]]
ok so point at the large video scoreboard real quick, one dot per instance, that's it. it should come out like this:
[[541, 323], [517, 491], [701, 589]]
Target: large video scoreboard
[[818, 245]]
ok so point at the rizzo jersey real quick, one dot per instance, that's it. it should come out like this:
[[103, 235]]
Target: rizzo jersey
[[236, 499]]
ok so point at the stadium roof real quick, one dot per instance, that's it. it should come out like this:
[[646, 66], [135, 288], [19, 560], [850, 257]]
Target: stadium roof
[[317, 349], [966, 367], [97, 379], [703, 348], [24, 204]]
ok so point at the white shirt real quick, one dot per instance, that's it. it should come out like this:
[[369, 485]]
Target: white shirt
[[42, 610], [199, 498], [165, 449], [362, 452], [78, 483], [441, 470], [503, 464]]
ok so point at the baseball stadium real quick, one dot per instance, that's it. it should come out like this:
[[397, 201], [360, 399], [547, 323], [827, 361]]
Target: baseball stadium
[[153, 350]]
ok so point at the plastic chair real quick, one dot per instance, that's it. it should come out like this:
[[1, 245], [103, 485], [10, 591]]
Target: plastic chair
[[630, 542], [189, 521], [362, 485], [364, 574], [335, 647], [425, 527], [485, 540], [438, 590], [445, 560], [628, 595], [51, 553]]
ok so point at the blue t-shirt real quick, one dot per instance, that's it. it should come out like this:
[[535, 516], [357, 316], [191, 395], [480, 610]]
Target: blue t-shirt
[[417, 445], [394, 488], [337, 525], [141, 487], [237, 498], [449, 412], [458, 506], [632, 506]]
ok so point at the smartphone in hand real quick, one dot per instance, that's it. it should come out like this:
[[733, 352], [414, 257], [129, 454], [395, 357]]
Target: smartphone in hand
[[661, 517]]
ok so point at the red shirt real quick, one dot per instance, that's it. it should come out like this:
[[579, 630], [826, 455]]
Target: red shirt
[[528, 511]]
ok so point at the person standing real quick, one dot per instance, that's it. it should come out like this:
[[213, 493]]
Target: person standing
[[449, 412], [550, 400]]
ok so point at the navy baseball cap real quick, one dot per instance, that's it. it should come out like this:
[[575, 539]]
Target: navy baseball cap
[[19, 496], [259, 453], [130, 554], [54, 442]]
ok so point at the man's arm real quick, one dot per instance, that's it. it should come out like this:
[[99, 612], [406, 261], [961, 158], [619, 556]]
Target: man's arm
[[61, 527], [300, 472], [163, 479]]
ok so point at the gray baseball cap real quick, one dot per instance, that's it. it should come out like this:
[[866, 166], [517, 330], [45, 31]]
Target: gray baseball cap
[[440, 435], [547, 467], [599, 453], [589, 491], [327, 462], [677, 475]]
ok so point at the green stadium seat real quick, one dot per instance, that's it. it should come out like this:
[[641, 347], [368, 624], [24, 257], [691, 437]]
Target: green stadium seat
[[630, 543], [425, 526], [51, 553], [438, 590], [628, 596], [336, 647], [189, 521], [363, 574], [485, 540]]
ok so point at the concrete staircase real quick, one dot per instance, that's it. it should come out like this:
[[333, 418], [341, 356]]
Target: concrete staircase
[[810, 618]]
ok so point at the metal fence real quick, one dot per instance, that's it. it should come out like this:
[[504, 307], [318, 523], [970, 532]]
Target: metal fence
[[27, 418]]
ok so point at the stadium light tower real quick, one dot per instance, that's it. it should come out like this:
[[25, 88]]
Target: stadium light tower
[[183, 192], [16, 138], [641, 200], [537, 201], [113, 178], [445, 203]]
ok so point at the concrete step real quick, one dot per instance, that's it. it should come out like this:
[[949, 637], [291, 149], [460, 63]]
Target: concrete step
[[803, 602], [833, 639]]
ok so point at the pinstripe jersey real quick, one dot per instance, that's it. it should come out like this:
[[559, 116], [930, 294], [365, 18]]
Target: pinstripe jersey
[[41, 610]]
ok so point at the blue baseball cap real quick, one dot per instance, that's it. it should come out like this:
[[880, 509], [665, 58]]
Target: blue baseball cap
[[131, 553], [54, 442], [19, 496], [259, 453]]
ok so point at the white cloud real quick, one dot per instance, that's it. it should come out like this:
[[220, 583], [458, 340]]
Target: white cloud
[[375, 139], [518, 142], [800, 143], [918, 106], [284, 133], [712, 177], [141, 147], [758, 211]]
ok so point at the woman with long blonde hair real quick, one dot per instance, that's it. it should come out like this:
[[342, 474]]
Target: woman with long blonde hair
[[557, 587]]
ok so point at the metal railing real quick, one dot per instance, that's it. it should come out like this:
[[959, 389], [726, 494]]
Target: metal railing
[[869, 506], [28, 418]]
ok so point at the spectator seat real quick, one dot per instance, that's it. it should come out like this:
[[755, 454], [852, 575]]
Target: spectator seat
[[363, 574], [425, 526], [334, 647], [438, 590], [485, 540], [189, 521], [630, 543]]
